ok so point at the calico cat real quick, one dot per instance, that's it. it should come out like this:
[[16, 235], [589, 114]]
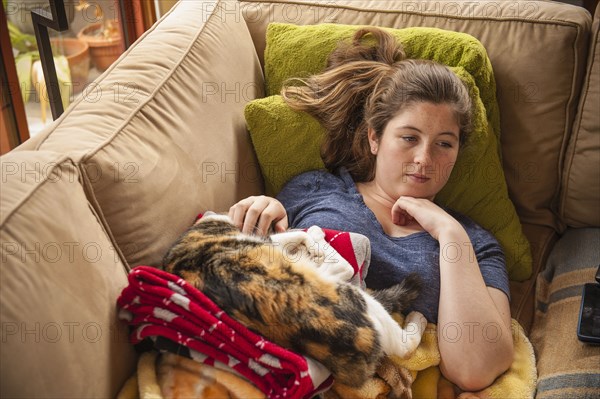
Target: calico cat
[[295, 304]]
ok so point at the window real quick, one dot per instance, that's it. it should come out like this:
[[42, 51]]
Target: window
[[97, 35]]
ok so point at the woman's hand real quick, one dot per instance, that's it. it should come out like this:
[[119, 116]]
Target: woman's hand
[[255, 215], [428, 215]]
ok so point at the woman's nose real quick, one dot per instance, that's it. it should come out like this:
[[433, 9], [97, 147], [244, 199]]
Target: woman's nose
[[423, 155]]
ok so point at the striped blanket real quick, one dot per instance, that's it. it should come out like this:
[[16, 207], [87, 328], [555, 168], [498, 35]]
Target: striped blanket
[[567, 367]]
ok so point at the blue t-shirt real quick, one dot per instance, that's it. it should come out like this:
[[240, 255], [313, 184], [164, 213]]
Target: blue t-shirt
[[329, 201]]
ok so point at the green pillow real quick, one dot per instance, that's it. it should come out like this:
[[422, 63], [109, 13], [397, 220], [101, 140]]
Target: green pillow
[[287, 142]]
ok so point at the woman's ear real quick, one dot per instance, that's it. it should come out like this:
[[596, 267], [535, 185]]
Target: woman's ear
[[373, 140]]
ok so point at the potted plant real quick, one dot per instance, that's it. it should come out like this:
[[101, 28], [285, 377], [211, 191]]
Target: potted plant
[[71, 61], [103, 37]]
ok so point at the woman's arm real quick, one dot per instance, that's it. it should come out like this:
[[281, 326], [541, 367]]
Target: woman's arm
[[474, 333], [474, 325]]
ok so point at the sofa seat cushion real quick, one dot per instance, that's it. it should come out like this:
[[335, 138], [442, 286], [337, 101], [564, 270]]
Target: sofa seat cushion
[[476, 186], [567, 367], [59, 282], [522, 293]]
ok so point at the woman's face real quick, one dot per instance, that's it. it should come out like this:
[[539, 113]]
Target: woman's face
[[417, 151]]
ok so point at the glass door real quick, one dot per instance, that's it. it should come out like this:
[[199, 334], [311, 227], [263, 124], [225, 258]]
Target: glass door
[[92, 43]]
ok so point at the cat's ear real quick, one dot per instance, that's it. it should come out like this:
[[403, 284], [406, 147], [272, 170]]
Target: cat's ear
[[212, 216], [202, 217]]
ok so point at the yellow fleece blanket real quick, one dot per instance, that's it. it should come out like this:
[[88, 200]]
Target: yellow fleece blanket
[[168, 375], [417, 377], [422, 375]]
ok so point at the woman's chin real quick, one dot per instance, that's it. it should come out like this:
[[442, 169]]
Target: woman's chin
[[418, 192]]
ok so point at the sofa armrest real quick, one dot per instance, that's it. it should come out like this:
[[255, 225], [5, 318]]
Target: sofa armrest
[[59, 281]]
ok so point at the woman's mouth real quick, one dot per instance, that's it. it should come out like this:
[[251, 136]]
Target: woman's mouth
[[418, 178]]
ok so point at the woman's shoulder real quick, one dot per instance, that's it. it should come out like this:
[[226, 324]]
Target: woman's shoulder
[[314, 181]]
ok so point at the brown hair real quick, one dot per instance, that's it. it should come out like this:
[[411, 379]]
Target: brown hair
[[364, 86]]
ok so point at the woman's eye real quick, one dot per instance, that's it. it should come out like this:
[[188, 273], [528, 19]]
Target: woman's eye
[[445, 144], [409, 139]]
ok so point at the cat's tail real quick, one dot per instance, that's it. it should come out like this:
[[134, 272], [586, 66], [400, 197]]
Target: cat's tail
[[398, 298]]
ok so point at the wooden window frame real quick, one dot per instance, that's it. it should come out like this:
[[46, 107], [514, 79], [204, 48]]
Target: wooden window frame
[[136, 17], [13, 127]]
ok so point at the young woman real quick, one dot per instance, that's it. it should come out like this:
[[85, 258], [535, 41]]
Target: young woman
[[394, 130]]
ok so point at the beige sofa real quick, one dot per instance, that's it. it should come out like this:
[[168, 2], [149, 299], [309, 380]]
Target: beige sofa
[[161, 136]]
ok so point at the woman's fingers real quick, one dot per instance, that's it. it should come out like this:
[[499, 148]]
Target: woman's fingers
[[281, 225], [427, 214], [272, 213], [401, 215], [255, 215], [237, 213]]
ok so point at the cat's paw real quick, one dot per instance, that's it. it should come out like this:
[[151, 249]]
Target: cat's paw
[[316, 233], [417, 321], [316, 253], [298, 241], [414, 328], [316, 244]]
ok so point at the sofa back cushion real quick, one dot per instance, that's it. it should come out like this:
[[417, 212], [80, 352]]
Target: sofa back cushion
[[538, 53], [161, 135], [581, 180], [59, 281]]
